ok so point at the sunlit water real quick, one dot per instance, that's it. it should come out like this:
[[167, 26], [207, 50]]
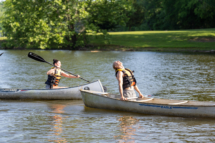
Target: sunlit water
[[162, 75]]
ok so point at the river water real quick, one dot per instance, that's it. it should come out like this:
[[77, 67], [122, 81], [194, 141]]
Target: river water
[[182, 76]]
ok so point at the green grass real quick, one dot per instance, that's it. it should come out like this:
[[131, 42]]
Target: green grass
[[201, 39]]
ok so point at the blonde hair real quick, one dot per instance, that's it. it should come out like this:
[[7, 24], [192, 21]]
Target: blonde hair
[[114, 64]]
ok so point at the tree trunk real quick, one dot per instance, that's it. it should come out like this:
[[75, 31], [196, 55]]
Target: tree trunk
[[74, 39], [149, 25]]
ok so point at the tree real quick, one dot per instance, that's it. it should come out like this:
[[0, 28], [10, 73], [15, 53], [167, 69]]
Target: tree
[[206, 11], [179, 14], [38, 23], [107, 14], [137, 16], [154, 14], [58, 23]]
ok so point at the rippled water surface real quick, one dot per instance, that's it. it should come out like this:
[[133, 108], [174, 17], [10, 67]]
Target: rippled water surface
[[164, 75]]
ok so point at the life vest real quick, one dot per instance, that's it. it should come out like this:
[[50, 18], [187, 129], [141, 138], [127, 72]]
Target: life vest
[[128, 78], [55, 79]]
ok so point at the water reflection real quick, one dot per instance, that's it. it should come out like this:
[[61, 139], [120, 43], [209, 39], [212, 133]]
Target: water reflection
[[128, 126], [57, 123]]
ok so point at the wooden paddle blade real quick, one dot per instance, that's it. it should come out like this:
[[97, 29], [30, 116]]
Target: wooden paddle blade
[[35, 57], [1, 54]]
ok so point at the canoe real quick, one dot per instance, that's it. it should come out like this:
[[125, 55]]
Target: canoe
[[50, 94], [154, 106]]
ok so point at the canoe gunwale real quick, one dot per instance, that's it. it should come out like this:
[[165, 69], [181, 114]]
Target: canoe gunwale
[[145, 100], [178, 103], [187, 104], [50, 89]]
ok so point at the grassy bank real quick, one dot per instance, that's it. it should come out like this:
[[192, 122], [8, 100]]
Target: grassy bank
[[179, 40], [201, 39]]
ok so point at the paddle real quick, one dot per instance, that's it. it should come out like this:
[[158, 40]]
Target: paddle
[[1, 54], [40, 59]]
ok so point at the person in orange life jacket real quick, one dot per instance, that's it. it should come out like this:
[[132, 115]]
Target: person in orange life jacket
[[126, 81], [54, 76]]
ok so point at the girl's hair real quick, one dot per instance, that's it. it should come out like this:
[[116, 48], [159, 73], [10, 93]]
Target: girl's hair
[[114, 64], [55, 61]]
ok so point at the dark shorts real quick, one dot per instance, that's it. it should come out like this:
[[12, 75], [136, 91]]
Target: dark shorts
[[48, 86], [129, 93]]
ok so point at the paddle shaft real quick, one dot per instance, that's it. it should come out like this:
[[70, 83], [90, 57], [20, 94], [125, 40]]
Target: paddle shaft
[[40, 59]]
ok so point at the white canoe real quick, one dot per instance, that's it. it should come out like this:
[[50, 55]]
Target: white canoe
[[145, 105], [50, 94]]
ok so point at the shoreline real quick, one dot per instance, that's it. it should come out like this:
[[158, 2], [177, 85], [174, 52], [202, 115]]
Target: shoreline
[[97, 48], [123, 49]]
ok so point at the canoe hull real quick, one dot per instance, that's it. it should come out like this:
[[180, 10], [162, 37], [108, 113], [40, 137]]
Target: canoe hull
[[50, 94], [102, 102]]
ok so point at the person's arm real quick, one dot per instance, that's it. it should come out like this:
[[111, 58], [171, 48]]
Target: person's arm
[[137, 89], [51, 72], [120, 83], [69, 75]]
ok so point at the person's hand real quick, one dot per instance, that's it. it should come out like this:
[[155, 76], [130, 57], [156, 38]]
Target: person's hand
[[123, 98], [78, 76], [141, 95]]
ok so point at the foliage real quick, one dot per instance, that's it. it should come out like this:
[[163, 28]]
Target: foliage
[[58, 23], [137, 16], [1, 14], [66, 23], [108, 14], [189, 14], [172, 14]]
